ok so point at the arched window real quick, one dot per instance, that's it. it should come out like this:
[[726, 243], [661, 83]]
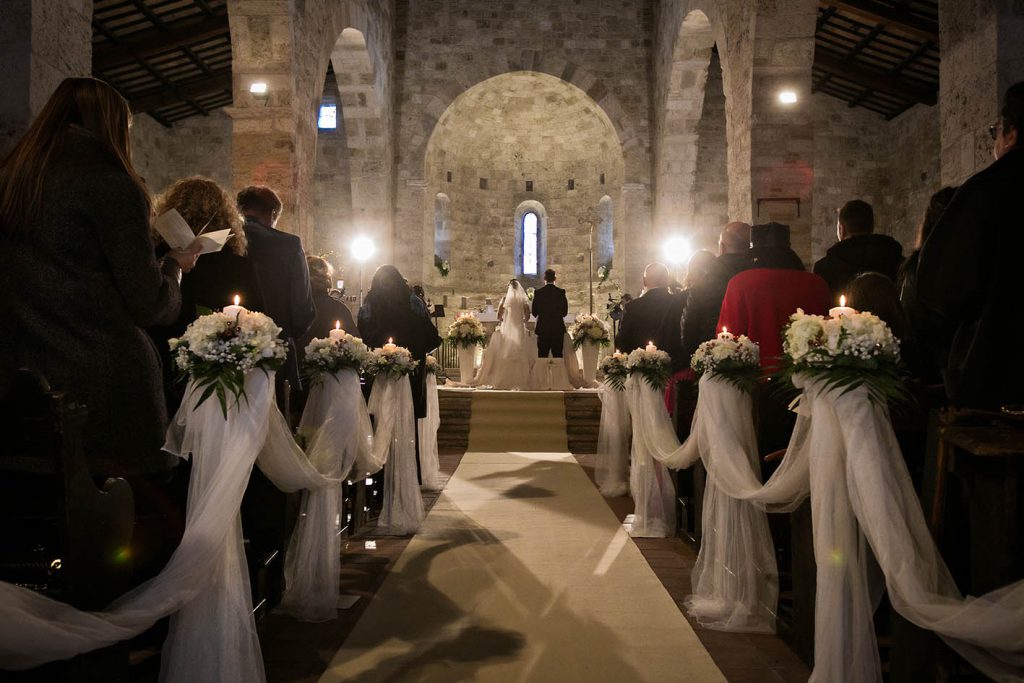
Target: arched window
[[604, 247], [531, 235], [531, 228], [442, 228]]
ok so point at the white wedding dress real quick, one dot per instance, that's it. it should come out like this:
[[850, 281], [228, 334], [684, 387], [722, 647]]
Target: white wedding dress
[[512, 350]]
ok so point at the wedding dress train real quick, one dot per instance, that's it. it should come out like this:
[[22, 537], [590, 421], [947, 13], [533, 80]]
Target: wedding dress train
[[509, 356]]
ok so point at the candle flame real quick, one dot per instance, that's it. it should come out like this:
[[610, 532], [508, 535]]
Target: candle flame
[[238, 299], [337, 324], [842, 299], [725, 330], [390, 340], [650, 343]]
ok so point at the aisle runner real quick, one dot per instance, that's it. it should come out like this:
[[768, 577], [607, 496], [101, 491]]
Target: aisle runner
[[518, 421], [521, 572]]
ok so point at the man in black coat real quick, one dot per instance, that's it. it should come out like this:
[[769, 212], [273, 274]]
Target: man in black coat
[[858, 251], [550, 308], [643, 317], [281, 270], [969, 271]]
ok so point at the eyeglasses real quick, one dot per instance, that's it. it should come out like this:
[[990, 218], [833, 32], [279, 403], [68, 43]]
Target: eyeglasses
[[994, 130]]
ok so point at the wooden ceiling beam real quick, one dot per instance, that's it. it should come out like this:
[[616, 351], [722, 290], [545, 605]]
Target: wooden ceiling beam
[[161, 97], [896, 18], [875, 79], [155, 41]]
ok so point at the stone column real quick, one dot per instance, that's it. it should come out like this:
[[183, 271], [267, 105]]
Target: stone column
[[638, 245], [982, 55], [42, 42]]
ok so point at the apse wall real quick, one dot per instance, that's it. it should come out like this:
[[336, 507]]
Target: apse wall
[[518, 138], [200, 145]]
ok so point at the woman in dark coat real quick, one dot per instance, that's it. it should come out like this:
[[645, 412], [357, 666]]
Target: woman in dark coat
[[216, 278], [78, 277], [392, 311], [329, 310]]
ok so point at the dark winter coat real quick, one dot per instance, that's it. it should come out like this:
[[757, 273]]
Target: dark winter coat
[[704, 303], [328, 311], [643, 318], [76, 290], [969, 272], [858, 254]]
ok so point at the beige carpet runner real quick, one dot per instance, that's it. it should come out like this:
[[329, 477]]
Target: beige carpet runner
[[521, 572], [532, 421]]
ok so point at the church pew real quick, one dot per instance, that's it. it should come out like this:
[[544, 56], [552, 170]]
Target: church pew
[[63, 535]]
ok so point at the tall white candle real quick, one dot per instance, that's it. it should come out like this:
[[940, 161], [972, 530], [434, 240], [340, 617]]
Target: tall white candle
[[235, 310]]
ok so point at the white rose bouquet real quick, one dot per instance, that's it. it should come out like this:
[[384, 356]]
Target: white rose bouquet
[[735, 359], [432, 367], [391, 361], [328, 356], [847, 351], [588, 329], [466, 331], [654, 366], [217, 350], [614, 369]]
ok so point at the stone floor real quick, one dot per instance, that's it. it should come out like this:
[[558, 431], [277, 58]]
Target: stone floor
[[297, 652]]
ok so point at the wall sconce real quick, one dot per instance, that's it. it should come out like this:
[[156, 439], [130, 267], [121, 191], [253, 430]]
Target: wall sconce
[[260, 92], [787, 97]]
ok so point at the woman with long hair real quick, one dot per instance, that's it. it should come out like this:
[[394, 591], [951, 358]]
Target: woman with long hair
[[216, 278], [78, 276]]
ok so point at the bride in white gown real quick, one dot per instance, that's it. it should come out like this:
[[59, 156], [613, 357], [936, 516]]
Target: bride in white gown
[[509, 357]]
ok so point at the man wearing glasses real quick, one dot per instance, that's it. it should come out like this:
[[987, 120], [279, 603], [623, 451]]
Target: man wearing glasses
[[969, 271]]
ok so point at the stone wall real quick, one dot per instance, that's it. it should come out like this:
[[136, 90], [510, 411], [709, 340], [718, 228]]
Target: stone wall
[[200, 145]]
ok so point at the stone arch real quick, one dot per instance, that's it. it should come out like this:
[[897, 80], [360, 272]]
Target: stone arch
[[527, 207]]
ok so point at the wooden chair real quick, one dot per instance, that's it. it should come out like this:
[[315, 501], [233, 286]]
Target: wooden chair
[[62, 535]]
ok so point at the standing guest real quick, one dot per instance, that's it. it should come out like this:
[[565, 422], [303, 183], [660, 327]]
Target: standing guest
[[328, 309], [280, 268], [643, 317], [969, 270], [217, 277], [704, 302], [759, 301], [78, 277], [670, 338], [859, 250], [392, 311], [550, 306]]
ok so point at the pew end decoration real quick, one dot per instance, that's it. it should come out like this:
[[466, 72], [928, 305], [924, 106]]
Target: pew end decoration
[[652, 364], [614, 369], [390, 361], [590, 330], [326, 357], [217, 350], [737, 360], [431, 366], [845, 352]]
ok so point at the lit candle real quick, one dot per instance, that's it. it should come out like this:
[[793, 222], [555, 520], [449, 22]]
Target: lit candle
[[651, 347], [724, 334], [841, 309], [337, 333], [390, 346], [235, 310]]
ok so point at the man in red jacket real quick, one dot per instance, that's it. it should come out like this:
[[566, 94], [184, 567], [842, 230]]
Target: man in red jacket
[[759, 301]]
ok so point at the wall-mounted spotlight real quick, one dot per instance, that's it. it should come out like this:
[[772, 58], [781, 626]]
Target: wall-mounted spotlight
[[787, 97], [259, 91]]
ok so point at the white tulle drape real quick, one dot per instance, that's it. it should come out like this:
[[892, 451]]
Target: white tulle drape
[[395, 444], [430, 465], [611, 468], [336, 427], [650, 484]]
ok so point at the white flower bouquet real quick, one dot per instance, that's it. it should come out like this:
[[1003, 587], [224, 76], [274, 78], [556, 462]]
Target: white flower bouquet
[[654, 365], [847, 351], [217, 350], [390, 361], [614, 369], [431, 366], [466, 331], [328, 356], [588, 329], [735, 359]]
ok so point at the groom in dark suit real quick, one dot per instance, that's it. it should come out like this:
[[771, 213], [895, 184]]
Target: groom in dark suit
[[550, 307]]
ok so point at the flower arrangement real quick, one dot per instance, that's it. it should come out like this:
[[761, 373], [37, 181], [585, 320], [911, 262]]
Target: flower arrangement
[[735, 359], [847, 351], [614, 369], [390, 361], [466, 331], [603, 273], [431, 366], [217, 350], [590, 330], [442, 265], [530, 291], [652, 364], [330, 355]]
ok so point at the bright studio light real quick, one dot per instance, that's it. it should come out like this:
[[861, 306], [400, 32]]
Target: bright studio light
[[362, 249], [258, 88], [677, 250], [787, 97]]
